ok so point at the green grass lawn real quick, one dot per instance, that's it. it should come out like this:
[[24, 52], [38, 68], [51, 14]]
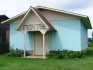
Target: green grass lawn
[[13, 63]]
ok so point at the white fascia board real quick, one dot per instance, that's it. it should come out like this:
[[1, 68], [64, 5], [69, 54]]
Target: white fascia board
[[24, 18], [8, 20], [62, 11]]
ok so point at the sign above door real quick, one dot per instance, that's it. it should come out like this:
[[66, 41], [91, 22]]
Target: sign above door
[[34, 27]]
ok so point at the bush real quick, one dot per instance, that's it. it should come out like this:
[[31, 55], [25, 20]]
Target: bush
[[17, 53], [65, 54]]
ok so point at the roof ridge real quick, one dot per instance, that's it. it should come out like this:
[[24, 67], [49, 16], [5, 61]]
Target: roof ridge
[[57, 10]]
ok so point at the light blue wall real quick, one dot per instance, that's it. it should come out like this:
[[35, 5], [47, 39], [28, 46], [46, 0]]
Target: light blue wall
[[67, 35], [84, 38], [17, 38]]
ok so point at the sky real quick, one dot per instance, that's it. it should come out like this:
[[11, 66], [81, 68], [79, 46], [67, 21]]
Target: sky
[[13, 7]]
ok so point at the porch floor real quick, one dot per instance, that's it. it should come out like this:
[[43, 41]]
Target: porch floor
[[34, 56]]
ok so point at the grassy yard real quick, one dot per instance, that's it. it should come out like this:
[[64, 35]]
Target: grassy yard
[[13, 63]]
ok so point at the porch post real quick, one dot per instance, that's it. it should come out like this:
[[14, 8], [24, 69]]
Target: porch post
[[43, 46], [43, 32], [24, 44]]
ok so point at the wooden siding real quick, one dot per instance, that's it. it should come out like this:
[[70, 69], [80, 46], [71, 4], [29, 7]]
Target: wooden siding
[[67, 35], [84, 37], [31, 19], [17, 38], [50, 15]]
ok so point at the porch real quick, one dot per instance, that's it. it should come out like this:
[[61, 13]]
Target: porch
[[35, 22], [41, 44]]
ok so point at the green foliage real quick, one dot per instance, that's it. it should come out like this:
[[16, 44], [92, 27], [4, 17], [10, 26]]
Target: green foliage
[[90, 44], [17, 53], [65, 54], [13, 63]]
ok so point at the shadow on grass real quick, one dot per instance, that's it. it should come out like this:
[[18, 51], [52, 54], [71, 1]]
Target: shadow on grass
[[90, 52]]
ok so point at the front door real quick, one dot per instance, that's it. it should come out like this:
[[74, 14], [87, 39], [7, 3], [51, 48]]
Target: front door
[[38, 45]]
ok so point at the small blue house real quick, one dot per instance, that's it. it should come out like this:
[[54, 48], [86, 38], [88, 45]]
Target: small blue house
[[41, 29]]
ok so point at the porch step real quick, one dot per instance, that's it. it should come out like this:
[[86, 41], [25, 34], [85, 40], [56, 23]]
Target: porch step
[[34, 56]]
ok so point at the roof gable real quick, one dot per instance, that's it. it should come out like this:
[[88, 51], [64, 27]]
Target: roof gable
[[39, 15]]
